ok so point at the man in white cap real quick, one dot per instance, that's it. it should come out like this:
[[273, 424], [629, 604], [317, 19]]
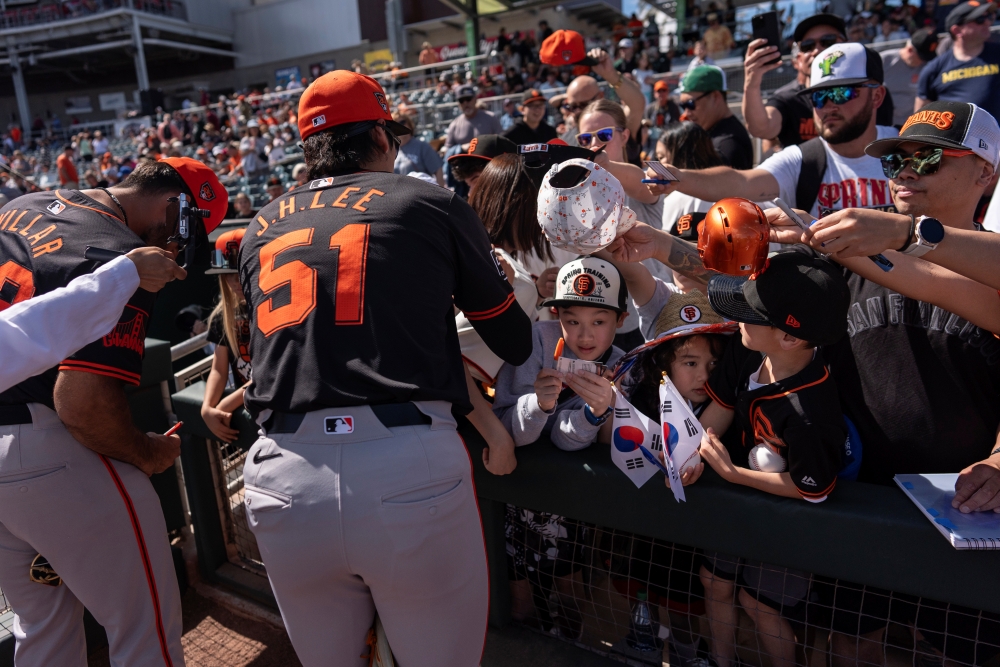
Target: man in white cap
[[827, 173], [626, 61]]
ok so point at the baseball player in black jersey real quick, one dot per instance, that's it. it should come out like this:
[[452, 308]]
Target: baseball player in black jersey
[[74, 470], [360, 491]]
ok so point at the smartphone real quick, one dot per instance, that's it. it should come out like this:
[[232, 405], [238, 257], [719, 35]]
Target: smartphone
[[663, 174], [766, 26]]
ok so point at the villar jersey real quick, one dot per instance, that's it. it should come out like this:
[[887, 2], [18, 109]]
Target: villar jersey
[[798, 418], [351, 284], [42, 240]]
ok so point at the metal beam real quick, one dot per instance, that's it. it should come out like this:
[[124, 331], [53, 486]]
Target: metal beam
[[20, 92], [468, 10], [141, 73], [77, 50], [184, 46]]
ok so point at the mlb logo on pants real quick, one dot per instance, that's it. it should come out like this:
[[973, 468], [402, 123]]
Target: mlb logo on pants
[[339, 425]]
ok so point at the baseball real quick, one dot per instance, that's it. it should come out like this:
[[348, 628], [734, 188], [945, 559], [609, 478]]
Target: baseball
[[764, 459], [690, 463]]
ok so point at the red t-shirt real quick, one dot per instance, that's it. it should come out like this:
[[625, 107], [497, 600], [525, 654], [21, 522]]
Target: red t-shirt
[[67, 170]]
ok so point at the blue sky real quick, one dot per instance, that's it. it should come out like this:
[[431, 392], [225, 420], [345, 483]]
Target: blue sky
[[629, 6]]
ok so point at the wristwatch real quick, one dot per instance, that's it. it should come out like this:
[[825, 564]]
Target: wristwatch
[[929, 232], [593, 419]]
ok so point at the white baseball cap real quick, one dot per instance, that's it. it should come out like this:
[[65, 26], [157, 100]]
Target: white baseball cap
[[590, 281], [847, 64], [587, 214]]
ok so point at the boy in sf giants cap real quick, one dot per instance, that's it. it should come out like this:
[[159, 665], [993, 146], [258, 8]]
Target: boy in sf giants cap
[[535, 398], [789, 427]]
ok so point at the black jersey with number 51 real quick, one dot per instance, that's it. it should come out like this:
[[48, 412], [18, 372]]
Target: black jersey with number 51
[[351, 283]]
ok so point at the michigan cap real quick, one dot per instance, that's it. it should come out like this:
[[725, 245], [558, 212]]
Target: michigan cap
[[960, 125], [342, 97], [967, 11], [848, 64], [204, 185], [565, 47]]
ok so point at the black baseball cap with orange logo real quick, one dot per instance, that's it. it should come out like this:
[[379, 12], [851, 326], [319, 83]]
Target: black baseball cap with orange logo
[[565, 47], [802, 295], [209, 194], [344, 99]]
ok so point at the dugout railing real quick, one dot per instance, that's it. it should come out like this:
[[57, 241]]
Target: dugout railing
[[864, 534]]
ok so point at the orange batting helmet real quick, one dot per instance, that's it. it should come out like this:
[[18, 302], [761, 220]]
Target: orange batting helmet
[[734, 238]]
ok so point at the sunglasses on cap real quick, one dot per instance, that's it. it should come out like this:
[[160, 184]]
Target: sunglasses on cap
[[689, 105], [464, 100], [604, 135], [839, 94], [983, 19], [923, 162], [824, 42]]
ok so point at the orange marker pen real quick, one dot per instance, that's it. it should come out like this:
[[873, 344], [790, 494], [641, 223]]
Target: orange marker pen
[[173, 429], [559, 349]]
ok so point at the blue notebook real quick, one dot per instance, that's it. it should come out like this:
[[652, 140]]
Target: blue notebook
[[933, 495]]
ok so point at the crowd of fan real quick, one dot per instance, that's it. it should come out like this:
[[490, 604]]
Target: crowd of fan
[[923, 333]]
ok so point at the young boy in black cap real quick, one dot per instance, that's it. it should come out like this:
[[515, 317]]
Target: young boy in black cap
[[791, 431]]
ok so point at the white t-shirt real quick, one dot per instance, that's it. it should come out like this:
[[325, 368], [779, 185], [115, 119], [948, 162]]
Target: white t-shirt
[[846, 183]]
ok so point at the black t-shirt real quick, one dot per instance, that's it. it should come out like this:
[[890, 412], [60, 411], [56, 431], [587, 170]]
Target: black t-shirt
[[662, 116], [42, 240], [796, 112], [239, 360], [351, 284], [921, 384], [520, 133], [798, 418], [732, 141], [797, 125]]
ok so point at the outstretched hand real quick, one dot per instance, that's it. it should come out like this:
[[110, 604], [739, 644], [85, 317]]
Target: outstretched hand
[[636, 244]]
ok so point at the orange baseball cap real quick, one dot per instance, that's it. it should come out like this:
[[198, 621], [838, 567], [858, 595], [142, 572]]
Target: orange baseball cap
[[225, 257], [661, 85], [565, 47], [208, 192], [342, 97]]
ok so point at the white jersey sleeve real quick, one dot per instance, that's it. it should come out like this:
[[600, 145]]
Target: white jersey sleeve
[[34, 334], [785, 166]]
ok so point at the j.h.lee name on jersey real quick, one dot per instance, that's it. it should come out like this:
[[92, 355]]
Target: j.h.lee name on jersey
[[896, 309], [321, 198], [39, 238]]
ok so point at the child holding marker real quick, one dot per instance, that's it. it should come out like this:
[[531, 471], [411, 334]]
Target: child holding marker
[[536, 398]]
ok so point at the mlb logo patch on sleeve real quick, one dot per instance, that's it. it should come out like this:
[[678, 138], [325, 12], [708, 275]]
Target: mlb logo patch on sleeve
[[339, 425]]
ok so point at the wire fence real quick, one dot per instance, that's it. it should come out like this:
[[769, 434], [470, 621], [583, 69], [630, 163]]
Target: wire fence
[[227, 467], [644, 601]]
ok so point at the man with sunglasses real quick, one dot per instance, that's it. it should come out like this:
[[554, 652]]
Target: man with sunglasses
[[787, 118], [74, 469], [359, 490], [703, 101], [970, 70], [846, 93], [471, 122], [919, 373]]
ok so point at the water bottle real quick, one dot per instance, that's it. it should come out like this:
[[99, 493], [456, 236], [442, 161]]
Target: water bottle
[[643, 630]]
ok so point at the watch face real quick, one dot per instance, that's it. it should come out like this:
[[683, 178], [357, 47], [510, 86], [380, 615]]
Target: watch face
[[931, 230]]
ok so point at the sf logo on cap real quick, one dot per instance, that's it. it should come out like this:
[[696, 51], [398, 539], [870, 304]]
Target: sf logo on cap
[[472, 144], [380, 98], [206, 192], [826, 65], [690, 314], [566, 55], [684, 223]]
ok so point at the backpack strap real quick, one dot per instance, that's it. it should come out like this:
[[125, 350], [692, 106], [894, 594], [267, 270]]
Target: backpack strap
[[811, 174]]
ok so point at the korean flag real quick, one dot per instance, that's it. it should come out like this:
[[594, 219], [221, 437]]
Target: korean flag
[[681, 432], [632, 431]]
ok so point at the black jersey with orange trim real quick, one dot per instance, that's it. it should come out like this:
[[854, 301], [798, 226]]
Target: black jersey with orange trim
[[351, 284], [798, 418], [42, 240]]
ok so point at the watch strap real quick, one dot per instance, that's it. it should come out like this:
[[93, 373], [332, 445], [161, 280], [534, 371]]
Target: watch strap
[[909, 237]]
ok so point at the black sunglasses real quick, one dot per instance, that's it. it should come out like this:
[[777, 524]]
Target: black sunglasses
[[825, 42], [578, 106], [983, 19], [464, 100], [689, 105]]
